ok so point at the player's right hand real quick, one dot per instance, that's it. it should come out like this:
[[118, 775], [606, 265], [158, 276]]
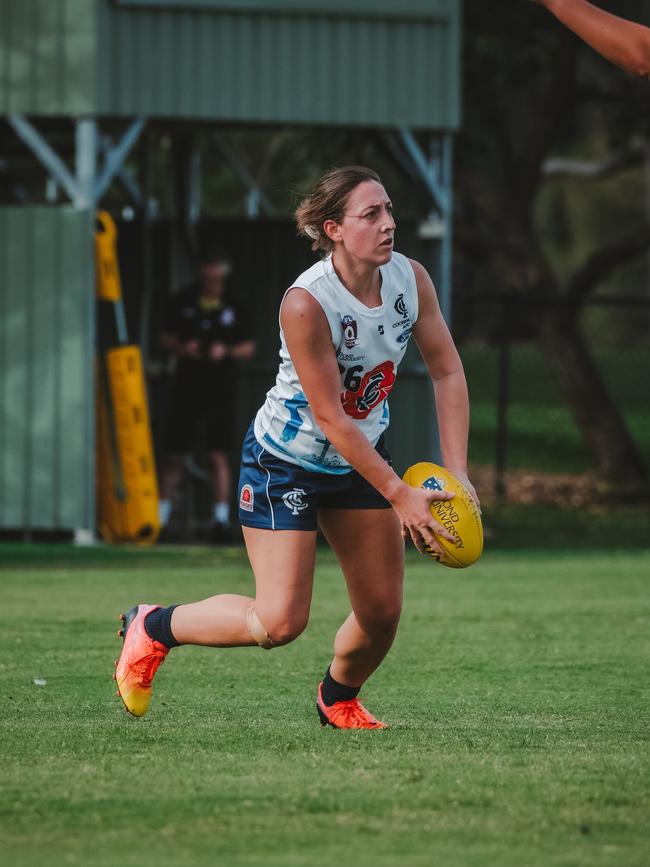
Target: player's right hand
[[413, 507]]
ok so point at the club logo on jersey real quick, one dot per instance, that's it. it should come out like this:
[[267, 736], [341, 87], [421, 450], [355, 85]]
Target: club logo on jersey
[[400, 306], [246, 498], [294, 501], [373, 389], [349, 326]]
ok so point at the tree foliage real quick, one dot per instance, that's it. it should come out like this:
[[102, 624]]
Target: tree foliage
[[532, 91]]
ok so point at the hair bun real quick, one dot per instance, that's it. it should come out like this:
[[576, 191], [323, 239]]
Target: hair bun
[[312, 232]]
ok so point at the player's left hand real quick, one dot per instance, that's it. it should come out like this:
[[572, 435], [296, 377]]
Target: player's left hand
[[462, 477]]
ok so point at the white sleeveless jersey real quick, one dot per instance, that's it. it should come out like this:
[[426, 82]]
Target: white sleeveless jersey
[[369, 344]]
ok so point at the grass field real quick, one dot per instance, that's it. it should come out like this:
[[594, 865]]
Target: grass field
[[517, 692]]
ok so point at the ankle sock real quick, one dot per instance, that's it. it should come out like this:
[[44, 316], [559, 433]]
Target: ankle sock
[[158, 625], [333, 691]]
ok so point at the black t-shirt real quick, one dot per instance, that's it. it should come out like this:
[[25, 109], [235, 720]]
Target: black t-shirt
[[187, 319]]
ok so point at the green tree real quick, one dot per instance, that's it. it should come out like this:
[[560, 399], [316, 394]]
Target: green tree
[[532, 91]]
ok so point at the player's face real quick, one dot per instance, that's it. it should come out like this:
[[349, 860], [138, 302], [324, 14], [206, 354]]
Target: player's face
[[368, 227]]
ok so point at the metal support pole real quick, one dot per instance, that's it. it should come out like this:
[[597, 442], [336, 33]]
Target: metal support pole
[[85, 163], [503, 397], [146, 181], [434, 170], [84, 199], [446, 160]]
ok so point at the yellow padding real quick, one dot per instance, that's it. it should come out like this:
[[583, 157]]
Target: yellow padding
[[107, 272], [257, 630], [127, 486]]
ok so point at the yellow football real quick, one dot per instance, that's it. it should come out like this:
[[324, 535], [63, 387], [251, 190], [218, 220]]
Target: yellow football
[[460, 515]]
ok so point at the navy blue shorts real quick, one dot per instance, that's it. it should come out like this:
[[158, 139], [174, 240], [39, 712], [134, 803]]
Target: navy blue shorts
[[277, 495]]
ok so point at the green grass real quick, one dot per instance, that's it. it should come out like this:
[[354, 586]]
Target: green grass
[[517, 692], [542, 434]]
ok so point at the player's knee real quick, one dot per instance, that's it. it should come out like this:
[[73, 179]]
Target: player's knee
[[382, 618], [287, 631], [274, 632]]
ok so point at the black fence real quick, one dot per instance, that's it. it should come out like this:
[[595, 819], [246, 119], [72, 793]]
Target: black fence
[[521, 418]]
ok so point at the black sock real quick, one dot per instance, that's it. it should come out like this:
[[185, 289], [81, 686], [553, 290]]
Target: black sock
[[333, 691], [158, 625]]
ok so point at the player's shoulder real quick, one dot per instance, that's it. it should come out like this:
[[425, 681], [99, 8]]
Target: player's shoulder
[[403, 265], [310, 278]]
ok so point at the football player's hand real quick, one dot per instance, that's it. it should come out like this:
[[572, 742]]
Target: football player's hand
[[462, 477], [413, 507], [217, 351], [190, 349]]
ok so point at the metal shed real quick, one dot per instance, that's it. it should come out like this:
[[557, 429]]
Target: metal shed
[[77, 65]]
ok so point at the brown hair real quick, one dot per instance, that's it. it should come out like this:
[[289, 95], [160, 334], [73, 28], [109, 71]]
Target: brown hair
[[327, 201]]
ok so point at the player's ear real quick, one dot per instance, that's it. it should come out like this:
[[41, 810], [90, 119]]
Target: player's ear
[[332, 230]]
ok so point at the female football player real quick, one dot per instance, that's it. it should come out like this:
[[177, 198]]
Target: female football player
[[314, 455]]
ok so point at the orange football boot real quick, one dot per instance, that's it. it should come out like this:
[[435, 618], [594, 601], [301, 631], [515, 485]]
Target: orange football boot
[[139, 661], [346, 714]]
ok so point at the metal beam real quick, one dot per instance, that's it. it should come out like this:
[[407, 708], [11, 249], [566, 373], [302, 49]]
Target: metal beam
[[428, 170], [256, 200], [123, 175], [116, 156], [44, 153]]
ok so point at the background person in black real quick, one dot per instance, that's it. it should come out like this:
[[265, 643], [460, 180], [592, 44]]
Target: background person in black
[[209, 333]]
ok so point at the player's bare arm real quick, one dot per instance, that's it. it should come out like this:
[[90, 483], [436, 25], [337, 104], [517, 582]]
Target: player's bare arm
[[447, 375], [307, 335], [625, 43]]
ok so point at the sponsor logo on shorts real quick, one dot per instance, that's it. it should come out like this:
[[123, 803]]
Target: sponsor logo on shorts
[[294, 500], [246, 498], [349, 326]]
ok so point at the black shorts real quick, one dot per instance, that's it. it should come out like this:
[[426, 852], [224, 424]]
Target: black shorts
[[192, 413], [277, 495]]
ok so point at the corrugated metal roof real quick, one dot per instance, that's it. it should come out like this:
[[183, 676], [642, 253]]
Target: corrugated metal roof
[[375, 64], [301, 69]]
